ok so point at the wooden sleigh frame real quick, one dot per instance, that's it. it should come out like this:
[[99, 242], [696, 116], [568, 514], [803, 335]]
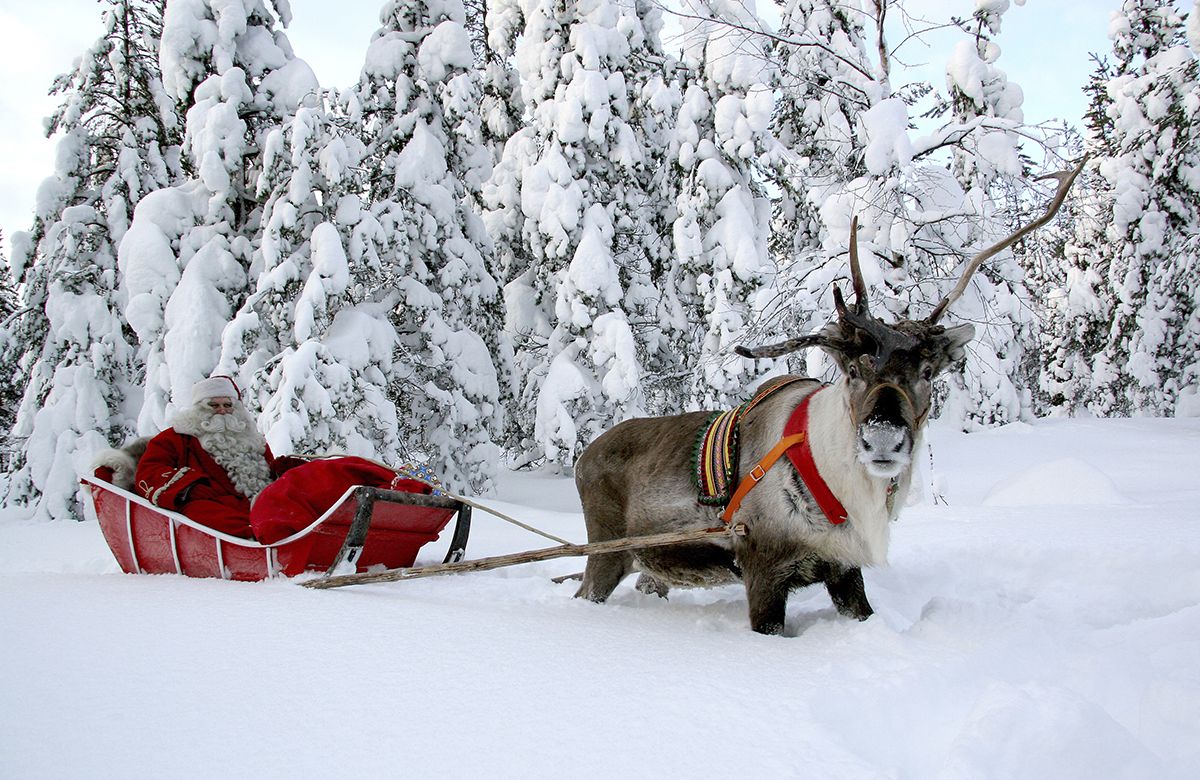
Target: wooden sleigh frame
[[367, 528]]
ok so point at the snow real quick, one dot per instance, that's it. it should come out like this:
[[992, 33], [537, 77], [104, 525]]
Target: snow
[[444, 50], [291, 85], [967, 71], [1193, 31], [565, 387], [386, 55], [1050, 639], [374, 328], [884, 134], [192, 344], [330, 277], [1066, 481]]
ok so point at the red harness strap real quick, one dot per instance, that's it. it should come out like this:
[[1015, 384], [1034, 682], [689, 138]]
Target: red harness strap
[[795, 444], [802, 458]]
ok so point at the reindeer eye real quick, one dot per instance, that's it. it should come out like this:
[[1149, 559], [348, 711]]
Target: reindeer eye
[[927, 373]]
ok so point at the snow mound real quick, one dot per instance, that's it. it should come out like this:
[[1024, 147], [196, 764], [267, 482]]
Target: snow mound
[[1067, 481]]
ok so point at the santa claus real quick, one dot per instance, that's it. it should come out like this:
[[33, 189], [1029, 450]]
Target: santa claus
[[210, 462]]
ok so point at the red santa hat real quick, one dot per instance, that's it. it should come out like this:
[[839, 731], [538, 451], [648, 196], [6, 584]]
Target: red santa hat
[[218, 386]]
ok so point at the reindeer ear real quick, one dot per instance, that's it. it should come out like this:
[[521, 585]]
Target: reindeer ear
[[954, 339]]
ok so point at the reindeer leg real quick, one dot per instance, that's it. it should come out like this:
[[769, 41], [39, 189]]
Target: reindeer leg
[[766, 592], [604, 517], [849, 596], [602, 574]]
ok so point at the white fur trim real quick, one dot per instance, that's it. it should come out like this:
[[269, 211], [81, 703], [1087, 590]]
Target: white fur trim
[[122, 464], [214, 387], [175, 478]]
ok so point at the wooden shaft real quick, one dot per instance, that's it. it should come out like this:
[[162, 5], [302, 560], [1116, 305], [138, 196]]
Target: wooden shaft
[[512, 559]]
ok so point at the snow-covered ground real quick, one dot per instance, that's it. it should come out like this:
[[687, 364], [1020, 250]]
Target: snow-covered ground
[[1045, 623]]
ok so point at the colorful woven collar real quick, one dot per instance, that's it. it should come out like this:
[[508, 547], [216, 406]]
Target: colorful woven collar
[[715, 459]]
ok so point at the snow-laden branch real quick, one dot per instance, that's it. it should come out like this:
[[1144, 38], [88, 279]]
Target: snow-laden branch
[[800, 42], [954, 133]]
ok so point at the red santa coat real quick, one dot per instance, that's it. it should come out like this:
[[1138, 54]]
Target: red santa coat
[[174, 463]]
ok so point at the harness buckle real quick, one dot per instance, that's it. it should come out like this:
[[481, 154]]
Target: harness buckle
[[758, 472]]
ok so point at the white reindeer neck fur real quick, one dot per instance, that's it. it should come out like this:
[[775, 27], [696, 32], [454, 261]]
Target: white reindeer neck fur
[[863, 540]]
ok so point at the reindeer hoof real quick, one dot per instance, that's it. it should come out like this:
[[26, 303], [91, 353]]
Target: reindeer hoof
[[652, 587]]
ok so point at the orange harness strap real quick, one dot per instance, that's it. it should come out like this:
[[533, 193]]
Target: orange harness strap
[[758, 472]]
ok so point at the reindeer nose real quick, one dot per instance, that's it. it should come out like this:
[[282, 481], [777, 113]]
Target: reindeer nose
[[882, 440], [885, 449]]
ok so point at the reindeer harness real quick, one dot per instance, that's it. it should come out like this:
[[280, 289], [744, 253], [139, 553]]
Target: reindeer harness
[[717, 456]]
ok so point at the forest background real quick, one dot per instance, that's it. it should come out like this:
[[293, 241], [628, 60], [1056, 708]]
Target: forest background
[[528, 221]]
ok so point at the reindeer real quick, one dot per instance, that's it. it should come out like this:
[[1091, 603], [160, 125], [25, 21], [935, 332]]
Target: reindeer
[[861, 432]]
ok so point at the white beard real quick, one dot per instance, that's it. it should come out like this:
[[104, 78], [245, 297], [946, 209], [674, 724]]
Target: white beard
[[232, 440]]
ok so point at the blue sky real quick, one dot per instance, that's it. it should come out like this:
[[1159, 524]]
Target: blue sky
[[1045, 46]]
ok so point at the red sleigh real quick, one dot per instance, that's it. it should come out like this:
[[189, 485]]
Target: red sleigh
[[367, 527]]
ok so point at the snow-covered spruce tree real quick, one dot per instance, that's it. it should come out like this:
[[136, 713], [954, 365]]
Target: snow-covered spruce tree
[[827, 80], [849, 157], [500, 106], [1074, 299], [502, 111], [8, 299], [985, 104], [1152, 357], [10, 388], [667, 373], [310, 343], [296, 196], [566, 210], [68, 340], [187, 260], [418, 98], [725, 278], [1068, 272]]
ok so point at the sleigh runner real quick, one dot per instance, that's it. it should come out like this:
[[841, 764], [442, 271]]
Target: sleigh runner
[[368, 527]]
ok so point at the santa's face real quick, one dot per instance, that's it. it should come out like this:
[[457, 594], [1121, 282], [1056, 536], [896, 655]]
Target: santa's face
[[223, 415]]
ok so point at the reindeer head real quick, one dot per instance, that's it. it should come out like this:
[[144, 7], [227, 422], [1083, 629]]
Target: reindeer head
[[889, 368]]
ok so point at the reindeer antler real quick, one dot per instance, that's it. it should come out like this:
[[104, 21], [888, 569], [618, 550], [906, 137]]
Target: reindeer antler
[[887, 339], [861, 306], [1065, 180], [860, 316], [783, 347]]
